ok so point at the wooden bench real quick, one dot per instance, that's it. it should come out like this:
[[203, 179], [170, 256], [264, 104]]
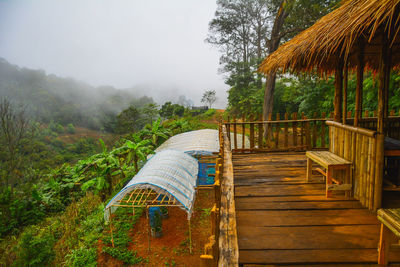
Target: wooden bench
[[390, 230], [330, 162]]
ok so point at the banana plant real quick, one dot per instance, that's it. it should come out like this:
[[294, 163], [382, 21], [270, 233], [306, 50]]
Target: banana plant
[[135, 150], [155, 132]]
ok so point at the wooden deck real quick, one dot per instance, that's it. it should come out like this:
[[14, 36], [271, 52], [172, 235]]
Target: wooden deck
[[282, 219]]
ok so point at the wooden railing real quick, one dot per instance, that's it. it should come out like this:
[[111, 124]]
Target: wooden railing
[[222, 248], [297, 132], [281, 135]]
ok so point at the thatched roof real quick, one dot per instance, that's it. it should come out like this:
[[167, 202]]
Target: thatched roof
[[338, 34]]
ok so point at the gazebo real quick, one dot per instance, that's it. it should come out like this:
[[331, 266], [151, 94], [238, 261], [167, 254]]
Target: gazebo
[[358, 35]]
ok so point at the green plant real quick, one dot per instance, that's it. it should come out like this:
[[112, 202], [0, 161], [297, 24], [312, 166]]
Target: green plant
[[123, 255], [35, 247], [82, 257], [70, 128]]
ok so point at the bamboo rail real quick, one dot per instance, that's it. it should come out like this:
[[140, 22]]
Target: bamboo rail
[[283, 135], [222, 248], [296, 132], [357, 145]]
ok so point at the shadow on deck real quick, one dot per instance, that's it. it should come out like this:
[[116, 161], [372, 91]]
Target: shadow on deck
[[282, 219]]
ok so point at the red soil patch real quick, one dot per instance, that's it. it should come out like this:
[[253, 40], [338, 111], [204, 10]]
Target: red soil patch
[[172, 249]]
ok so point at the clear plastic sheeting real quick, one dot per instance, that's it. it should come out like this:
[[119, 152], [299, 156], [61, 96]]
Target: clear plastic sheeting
[[169, 172], [200, 142]]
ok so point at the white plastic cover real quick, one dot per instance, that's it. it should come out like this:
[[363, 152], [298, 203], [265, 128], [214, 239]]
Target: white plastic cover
[[200, 142], [168, 172]]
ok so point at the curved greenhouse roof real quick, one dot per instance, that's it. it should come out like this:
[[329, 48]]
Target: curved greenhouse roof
[[167, 179], [200, 142]]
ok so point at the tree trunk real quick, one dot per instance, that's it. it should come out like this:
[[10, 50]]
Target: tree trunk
[[273, 45]]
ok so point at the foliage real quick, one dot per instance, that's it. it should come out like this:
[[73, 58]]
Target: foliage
[[70, 128], [64, 100], [14, 133], [244, 31], [56, 127], [169, 110], [155, 132], [124, 255], [35, 247], [126, 120], [82, 257]]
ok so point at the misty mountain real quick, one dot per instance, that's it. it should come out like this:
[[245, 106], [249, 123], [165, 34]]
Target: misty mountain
[[48, 97]]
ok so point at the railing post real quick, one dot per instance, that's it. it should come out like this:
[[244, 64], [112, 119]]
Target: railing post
[[260, 133]]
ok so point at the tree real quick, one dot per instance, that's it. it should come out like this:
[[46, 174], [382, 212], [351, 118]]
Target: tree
[[156, 132], [169, 110], [128, 120], [150, 112], [137, 150], [209, 97], [14, 133], [245, 31]]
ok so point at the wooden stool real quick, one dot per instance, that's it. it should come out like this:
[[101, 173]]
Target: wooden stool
[[390, 227], [330, 162]]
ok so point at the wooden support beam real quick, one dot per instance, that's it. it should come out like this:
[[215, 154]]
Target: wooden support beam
[[338, 89], [360, 80], [384, 74], [345, 84]]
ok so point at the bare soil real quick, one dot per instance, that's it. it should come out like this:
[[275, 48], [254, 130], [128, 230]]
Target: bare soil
[[172, 249]]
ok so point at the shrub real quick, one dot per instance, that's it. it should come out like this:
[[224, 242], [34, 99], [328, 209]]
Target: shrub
[[124, 255], [70, 128], [35, 248], [82, 257], [56, 127]]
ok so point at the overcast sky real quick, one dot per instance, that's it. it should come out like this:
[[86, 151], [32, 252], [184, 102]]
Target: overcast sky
[[157, 44]]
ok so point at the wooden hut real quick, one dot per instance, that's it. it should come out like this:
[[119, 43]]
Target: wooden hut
[[358, 35]]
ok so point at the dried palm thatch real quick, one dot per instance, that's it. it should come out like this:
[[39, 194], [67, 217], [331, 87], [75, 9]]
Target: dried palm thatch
[[339, 34]]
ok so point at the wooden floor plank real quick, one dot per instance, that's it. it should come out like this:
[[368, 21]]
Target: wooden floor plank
[[296, 205], [316, 237], [280, 190], [312, 256], [305, 217], [282, 219]]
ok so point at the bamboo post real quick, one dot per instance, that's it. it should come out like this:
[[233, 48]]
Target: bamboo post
[[243, 133], [294, 126], [260, 134], [190, 237], [234, 133], [308, 135], [345, 84], [384, 244], [360, 79], [228, 129], [323, 130], [111, 231], [314, 131], [338, 89], [302, 131], [148, 228], [269, 127], [383, 87], [251, 135], [286, 141], [277, 129]]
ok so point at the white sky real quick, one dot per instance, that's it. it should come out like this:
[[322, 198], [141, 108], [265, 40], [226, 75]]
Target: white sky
[[158, 44]]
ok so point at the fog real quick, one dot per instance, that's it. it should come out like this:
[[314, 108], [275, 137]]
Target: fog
[[155, 46]]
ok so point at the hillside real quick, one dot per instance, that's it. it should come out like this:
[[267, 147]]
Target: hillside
[[48, 97]]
